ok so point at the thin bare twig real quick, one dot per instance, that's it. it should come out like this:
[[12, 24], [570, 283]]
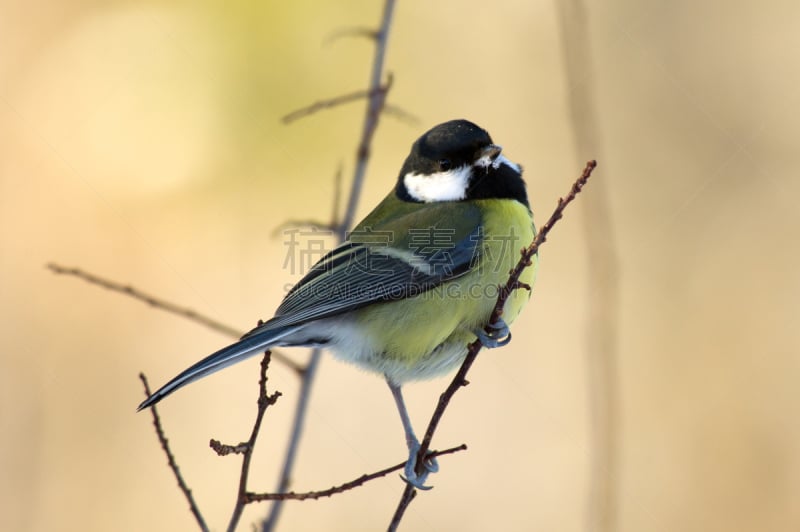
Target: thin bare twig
[[164, 305], [326, 104], [375, 105], [360, 481], [350, 97], [223, 449], [405, 501], [171, 460], [264, 401], [153, 301], [355, 31], [474, 348]]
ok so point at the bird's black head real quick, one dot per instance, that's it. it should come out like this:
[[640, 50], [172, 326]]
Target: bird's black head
[[457, 161]]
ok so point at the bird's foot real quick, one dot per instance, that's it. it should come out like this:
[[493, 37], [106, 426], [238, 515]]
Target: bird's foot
[[430, 465], [497, 335]]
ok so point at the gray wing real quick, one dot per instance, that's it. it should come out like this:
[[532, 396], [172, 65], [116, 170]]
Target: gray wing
[[358, 274]]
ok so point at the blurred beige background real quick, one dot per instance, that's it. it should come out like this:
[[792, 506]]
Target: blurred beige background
[[141, 142]]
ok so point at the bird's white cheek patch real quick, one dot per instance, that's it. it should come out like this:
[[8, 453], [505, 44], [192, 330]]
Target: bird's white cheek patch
[[441, 186]]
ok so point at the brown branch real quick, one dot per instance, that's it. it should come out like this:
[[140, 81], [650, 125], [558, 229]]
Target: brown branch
[[327, 104], [474, 348], [336, 101], [409, 493], [153, 301], [264, 401], [164, 305], [363, 479], [223, 449], [171, 460]]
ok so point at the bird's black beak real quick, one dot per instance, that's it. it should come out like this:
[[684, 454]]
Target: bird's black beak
[[486, 155]]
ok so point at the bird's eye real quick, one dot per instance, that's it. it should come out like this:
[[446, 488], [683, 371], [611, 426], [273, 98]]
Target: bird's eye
[[444, 164]]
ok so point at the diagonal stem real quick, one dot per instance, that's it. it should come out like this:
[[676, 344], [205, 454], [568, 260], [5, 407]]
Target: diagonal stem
[[474, 348], [374, 106]]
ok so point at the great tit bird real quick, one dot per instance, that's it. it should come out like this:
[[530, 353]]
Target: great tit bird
[[416, 281]]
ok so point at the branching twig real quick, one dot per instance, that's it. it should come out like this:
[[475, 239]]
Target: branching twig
[[171, 460], [327, 104], [336, 101], [375, 105], [460, 378], [264, 401], [363, 479], [162, 304]]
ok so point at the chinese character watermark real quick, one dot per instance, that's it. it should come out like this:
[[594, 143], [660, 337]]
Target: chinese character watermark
[[304, 248]]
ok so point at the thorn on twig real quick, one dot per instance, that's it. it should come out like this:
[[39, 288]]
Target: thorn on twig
[[355, 31], [520, 284], [269, 400]]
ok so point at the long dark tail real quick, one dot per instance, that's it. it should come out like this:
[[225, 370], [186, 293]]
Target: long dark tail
[[251, 344]]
